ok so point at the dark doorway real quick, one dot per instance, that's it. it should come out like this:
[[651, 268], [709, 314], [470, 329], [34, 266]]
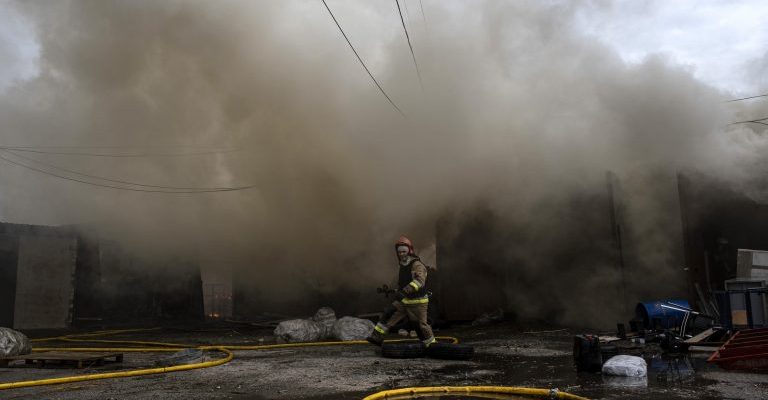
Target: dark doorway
[[9, 257]]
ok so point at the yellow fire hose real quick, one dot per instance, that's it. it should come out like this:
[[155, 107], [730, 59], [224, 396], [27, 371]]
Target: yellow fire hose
[[227, 350], [122, 374], [506, 390]]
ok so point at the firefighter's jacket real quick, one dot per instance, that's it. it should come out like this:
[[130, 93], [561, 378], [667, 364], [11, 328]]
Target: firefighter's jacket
[[412, 280]]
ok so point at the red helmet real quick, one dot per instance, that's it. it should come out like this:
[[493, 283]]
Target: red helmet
[[404, 241]]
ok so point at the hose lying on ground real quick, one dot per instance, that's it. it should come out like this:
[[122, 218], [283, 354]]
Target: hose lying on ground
[[149, 347], [227, 350], [122, 374], [468, 390]]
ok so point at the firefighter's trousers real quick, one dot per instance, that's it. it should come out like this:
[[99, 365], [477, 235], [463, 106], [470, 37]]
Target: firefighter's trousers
[[417, 314]]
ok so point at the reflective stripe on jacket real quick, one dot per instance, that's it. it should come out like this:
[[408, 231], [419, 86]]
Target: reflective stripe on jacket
[[412, 280]]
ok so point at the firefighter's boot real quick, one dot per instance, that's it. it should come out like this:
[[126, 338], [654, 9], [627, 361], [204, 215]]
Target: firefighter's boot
[[377, 335]]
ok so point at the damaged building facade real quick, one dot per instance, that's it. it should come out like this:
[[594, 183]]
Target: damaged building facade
[[714, 235], [63, 276], [595, 255]]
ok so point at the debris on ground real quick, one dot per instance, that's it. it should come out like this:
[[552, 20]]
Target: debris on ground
[[299, 330], [351, 328], [63, 358], [586, 353], [323, 325], [13, 343], [326, 317], [745, 350], [624, 365]]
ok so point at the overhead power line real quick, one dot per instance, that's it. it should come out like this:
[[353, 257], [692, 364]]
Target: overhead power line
[[73, 172], [361, 61], [115, 147], [423, 16], [157, 190], [407, 13], [748, 98], [758, 121], [751, 122], [408, 37], [29, 149]]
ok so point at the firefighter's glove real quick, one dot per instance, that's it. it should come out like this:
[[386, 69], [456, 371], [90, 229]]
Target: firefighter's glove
[[399, 295]]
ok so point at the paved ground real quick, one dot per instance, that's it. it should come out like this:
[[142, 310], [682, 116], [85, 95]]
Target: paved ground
[[505, 356]]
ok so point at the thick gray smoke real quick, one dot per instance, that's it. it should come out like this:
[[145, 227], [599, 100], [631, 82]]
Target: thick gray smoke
[[519, 112]]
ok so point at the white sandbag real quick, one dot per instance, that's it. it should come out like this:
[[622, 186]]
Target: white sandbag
[[624, 365], [13, 343], [299, 330], [351, 328], [325, 317]]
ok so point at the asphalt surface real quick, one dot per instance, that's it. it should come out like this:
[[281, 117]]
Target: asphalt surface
[[506, 355]]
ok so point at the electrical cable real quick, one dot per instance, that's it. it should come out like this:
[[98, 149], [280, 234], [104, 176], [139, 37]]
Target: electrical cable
[[31, 150], [203, 190], [408, 37], [747, 98], [423, 16], [756, 122], [751, 121], [115, 147], [407, 13], [361, 61], [73, 172]]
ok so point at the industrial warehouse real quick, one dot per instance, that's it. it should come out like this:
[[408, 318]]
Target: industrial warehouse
[[328, 199]]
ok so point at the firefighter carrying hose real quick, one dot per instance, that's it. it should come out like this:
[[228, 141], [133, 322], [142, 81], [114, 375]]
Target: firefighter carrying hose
[[411, 301]]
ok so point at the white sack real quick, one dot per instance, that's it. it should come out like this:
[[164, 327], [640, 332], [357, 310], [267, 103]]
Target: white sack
[[327, 318], [624, 365], [13, 343], [299, 330], [351, 328]]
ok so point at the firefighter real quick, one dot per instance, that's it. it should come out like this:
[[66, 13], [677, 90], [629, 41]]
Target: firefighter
[[411, 301]]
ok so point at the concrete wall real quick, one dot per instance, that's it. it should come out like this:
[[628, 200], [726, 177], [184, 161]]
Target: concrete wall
[[44, 288]]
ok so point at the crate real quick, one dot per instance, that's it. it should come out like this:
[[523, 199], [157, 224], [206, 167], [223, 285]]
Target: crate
[[77, 359]]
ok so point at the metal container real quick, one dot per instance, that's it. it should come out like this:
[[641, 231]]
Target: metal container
[[665, 314], [743, 304]]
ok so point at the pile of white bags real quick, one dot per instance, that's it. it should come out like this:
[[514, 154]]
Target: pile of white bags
[[323, 325], [351, 328]]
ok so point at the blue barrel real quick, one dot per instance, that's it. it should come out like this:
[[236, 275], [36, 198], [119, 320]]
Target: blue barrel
[[669, 318]]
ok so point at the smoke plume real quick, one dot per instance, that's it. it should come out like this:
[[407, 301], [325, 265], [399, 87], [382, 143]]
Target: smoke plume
[[519, 112]]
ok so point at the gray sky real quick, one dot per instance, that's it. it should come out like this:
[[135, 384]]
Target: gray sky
[[719, 41]]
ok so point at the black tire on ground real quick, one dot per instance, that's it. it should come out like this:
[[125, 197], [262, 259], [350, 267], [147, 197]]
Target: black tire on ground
[[402, 350], [450, 351]]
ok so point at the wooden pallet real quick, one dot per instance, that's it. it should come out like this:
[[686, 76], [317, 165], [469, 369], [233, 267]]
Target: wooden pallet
[[78, 359]]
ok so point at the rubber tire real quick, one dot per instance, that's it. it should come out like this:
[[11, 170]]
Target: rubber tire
[[450, 351], [402, 350]]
